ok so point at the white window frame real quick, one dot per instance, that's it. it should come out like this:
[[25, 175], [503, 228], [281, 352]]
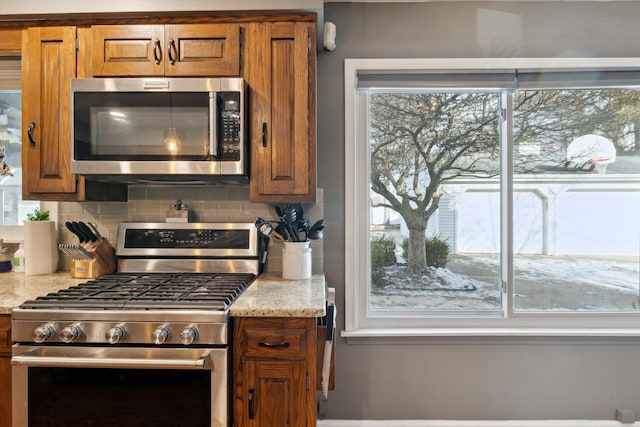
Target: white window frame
[[359, 322]]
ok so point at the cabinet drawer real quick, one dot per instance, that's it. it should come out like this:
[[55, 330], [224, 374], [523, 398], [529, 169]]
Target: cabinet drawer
[[275, 343]]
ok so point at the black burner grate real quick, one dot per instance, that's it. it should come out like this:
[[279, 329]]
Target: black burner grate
[[150, 291]]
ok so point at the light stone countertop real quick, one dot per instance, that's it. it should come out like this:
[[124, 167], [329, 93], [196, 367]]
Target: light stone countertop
[[16, 288], [269, 296], [272, 296]]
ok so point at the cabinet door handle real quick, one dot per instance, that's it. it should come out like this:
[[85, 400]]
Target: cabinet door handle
[[157, 53], [172, 49], [252, 408], [283, 344], [264, 134], [30, 129]]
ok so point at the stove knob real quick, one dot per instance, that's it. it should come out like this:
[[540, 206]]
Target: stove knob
[[71, 333], [43, 333], [161, 334], [188, 335], [116, 334]]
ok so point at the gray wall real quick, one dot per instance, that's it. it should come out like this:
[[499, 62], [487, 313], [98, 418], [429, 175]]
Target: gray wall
[[457, 378]]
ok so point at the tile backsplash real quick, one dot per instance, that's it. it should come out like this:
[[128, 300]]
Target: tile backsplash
[[205, 204]]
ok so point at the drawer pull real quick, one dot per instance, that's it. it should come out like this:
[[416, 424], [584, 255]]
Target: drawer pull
[[264, 134], [284, 344], [157, 53], [252, 407], [172, 50], [30, 129]]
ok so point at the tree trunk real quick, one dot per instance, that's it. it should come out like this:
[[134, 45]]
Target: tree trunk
[[417, 255]]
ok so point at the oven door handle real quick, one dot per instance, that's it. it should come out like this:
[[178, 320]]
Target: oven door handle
[[29, 359]]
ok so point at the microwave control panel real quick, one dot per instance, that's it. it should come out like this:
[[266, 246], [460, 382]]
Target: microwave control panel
[[230, 125]]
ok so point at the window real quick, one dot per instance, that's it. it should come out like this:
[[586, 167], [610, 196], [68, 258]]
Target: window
[[492, 196], [13, 209]]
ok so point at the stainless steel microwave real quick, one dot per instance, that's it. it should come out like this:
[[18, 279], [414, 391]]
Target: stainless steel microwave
[[159, 129]]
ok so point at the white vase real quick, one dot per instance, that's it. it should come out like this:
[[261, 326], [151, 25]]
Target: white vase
[[296, 260], [40, 247]]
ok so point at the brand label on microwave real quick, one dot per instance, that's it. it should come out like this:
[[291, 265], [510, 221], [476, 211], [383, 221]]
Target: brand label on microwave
[[155, 84]]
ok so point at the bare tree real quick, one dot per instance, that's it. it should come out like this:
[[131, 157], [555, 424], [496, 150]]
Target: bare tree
[[421, 140]]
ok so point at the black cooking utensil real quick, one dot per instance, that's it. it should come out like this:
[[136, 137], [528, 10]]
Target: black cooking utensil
[[303, 226], [314, 234], [280, 228], [299, 208], [279, 212], [318, 225], [290, 218]]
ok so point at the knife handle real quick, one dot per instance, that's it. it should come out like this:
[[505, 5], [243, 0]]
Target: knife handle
[[87, 232], [72, 227], [95, 231]]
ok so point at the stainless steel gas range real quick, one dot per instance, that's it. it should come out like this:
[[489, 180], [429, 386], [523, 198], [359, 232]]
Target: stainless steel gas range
[[147, 346]]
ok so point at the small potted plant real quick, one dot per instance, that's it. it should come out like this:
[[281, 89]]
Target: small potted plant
[[38, 215], [40, 243]]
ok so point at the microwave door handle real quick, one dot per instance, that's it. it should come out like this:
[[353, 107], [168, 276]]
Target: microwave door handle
[[213, 124]]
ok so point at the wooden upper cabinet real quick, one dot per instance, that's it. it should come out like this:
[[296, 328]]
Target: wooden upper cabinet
[[281, 74], [10, 41], [127, 50], [203, 50], [48, 65], [165, 50]]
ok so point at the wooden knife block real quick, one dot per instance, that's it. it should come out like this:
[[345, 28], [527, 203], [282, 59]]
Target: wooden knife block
[[103, 262]]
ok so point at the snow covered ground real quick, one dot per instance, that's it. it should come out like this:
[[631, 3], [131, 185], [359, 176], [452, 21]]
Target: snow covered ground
[[540, 283]]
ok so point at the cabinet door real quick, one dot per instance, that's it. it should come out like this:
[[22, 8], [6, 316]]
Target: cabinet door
[[202, 50], [171, 50], [276, 394], [281, 74], [5, 370], [274, 372], [128, 50], [48, 65]]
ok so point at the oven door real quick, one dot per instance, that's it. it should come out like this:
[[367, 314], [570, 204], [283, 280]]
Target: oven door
[[120, 386]]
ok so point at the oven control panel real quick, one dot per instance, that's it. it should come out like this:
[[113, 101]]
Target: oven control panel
[[187, 239], [129, 333]]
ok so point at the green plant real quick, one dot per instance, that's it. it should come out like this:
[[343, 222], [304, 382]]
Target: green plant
[[38, 215], [383, 254], [437, 251]]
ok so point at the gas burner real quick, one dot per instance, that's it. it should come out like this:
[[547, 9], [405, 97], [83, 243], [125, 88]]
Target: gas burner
[[149, 291]]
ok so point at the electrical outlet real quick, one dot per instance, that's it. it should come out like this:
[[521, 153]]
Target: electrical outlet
[[625, 415]]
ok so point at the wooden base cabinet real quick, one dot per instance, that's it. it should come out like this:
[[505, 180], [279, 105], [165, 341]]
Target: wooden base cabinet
[[274, 372], [5, 370]]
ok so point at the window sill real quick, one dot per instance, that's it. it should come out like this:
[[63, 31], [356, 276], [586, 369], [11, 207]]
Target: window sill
[[372, 335], [12, 233]]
